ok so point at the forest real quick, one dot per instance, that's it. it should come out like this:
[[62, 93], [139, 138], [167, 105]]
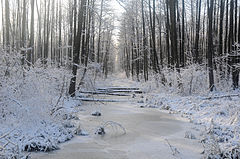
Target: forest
[[71, 69]]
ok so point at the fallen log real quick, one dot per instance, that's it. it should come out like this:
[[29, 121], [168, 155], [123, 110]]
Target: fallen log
[[113, 92], [118, 88], [117, 94], [105, 93], [100, 100], [127, 91]]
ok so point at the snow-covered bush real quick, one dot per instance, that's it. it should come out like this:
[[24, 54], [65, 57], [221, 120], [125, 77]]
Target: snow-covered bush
[[32, 102], [192, 80]]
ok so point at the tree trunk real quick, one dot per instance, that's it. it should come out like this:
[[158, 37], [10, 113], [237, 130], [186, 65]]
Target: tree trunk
[[23, 38], [145, 60], [230, 37], [76, 49], [210, 45], [70, 40], [7, 25], [173, 31], [221, 28], [220, 49], [30, 57], [239, 27], [169, 57], [60, 62], [3, 23], [83, 52], [234, 59], [92, 46], [99, 32], [226, 30], [182, 60], [235, 30], [52, 33], [156, 63], [197, 31]]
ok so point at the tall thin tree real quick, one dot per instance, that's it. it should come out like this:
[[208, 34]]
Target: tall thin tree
[[210, 44], [7, 24]]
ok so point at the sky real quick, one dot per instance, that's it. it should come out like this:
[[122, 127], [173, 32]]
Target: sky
[[118, 10]]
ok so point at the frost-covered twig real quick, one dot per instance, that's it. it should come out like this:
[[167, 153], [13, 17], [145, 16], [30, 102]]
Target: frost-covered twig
[[191, 83], [55, 110], [6, 134], [16, 101], [61, 94], [112, 123], [173, 149], [4, 146]]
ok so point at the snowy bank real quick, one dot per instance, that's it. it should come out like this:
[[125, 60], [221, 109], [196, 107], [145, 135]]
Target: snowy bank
[[33, 102], [218, 111]]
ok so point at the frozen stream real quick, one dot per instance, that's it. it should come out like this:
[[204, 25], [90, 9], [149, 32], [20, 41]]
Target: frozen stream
[[146, 133]]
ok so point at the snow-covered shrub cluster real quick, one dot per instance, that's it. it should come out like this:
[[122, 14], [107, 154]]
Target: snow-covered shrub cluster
[[191, 80], [32, 101]]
